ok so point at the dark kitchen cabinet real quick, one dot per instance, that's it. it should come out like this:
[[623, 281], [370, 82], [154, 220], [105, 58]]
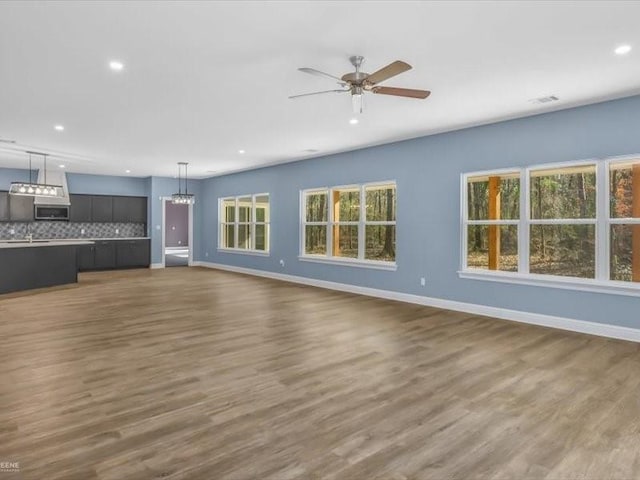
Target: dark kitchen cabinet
[[20, 209], [112, 254], [105, 255], [86, 258], [133, 253], [4, 206], [80, 209], [130, 209], [99, 256], [105, 208], [37, 267], [101, 208]]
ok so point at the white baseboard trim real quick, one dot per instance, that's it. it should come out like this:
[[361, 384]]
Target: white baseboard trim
[[156, 265], [573, 325]]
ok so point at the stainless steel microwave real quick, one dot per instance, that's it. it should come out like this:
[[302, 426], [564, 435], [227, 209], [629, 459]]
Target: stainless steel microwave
[[52, 212]]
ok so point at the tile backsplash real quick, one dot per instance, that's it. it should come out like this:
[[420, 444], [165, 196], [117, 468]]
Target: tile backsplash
[[15, 230]]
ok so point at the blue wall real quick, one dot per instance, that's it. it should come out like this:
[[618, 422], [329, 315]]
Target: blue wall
[[107, 185], [8, 175], [427, 171]]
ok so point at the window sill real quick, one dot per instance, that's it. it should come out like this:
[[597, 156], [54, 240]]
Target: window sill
[[241, 251], [350, 262], [579, 284]]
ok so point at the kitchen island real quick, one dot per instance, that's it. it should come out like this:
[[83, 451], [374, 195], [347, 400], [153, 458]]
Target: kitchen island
[[25, 265]]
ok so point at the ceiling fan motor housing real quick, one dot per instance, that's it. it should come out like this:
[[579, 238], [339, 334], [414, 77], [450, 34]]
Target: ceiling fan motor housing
[[355, 78]]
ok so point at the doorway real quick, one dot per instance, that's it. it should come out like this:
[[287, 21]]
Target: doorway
[[177, 234]]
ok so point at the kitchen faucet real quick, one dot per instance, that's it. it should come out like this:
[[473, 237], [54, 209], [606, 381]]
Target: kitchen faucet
[[29, 235]]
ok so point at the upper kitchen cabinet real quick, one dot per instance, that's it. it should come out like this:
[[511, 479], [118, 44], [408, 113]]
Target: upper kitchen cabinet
[[106, 208], [130, 209], [80, 209], [101, 208], [20, 209], [4, 206]]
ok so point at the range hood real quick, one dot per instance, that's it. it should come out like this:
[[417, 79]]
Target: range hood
[[53, 178]]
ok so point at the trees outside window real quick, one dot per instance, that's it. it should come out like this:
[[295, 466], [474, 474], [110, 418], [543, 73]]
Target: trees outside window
[[493, 210], [563, 221], [579, 220], [355, 222], [624, 221]]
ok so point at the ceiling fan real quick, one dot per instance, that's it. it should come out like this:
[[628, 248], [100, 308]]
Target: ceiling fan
[[359, 82]]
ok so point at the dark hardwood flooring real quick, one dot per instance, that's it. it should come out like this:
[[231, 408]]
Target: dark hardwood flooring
[[201, 374]]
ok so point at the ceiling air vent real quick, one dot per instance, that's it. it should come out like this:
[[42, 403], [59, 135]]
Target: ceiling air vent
[[549, 99]]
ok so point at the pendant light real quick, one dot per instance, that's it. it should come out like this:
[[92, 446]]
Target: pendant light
[[185, 198], [34, 189]]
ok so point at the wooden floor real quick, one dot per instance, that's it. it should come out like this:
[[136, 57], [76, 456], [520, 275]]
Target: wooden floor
[[199, 374]]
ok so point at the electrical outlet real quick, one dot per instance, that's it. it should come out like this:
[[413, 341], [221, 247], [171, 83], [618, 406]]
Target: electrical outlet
[[12, 231], [117, 231], [82, 231], [206, 254], [281, 262], [423, 281]]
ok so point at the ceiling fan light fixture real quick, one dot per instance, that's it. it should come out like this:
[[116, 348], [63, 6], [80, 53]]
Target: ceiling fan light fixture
[[353, 121], [357, 100]]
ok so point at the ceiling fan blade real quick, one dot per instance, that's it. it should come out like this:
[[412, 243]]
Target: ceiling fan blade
[[389, 71], [318, 73], [319, 93], [401, 92]]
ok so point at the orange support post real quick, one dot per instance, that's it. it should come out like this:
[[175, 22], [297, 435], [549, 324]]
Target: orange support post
[[494, 230]]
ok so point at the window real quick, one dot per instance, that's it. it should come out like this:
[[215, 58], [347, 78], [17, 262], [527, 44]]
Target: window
[[576, 221], [244, 223], [355, 223], [493, 204], [624, 221], [563, 221]]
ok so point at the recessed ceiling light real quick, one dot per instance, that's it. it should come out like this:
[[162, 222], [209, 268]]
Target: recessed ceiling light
[[353, 121], [59, 128], [240, 152], [127, 171], [622, 49], [61, 166], [116, 65]]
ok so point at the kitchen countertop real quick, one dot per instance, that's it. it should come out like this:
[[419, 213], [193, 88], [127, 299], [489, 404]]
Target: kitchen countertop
[[99, 239], [80, 239], [41, 243]]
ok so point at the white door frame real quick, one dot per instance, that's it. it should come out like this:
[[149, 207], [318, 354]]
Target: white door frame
[[164, 238]]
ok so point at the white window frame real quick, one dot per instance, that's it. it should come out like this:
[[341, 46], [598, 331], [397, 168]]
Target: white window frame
[[330, 223], [603, 221], [252, 225]]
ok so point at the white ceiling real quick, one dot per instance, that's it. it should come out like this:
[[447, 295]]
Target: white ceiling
[[203, 80]]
